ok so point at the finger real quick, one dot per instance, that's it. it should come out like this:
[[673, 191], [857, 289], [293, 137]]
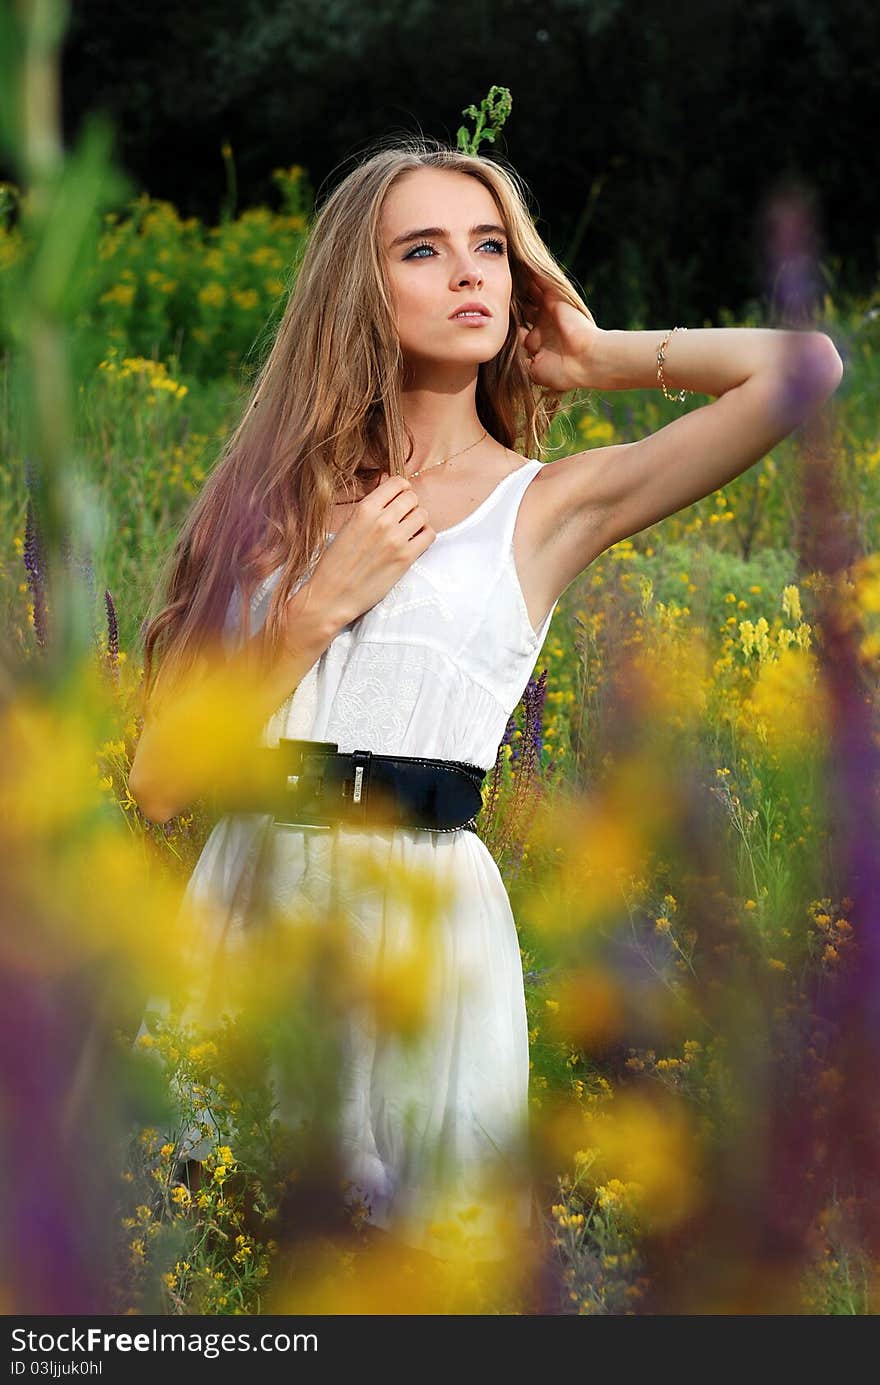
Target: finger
[[524, 333], [530, 294], [530, 339], [535, 285]]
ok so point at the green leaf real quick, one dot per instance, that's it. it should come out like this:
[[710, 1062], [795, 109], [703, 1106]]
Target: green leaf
[[495, 107], [11, 64], [67, 236]]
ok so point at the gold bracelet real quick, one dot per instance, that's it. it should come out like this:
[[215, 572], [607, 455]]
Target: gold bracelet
[[661, 356]]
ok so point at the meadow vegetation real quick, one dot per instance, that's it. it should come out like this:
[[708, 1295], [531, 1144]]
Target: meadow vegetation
[[665, 811]]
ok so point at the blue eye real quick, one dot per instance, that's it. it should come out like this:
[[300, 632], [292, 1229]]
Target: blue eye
[[426, 245]]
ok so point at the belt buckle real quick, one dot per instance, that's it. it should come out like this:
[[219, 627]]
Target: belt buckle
[[304, 751]]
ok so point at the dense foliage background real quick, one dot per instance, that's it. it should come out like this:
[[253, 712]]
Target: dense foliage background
[[650, 133]]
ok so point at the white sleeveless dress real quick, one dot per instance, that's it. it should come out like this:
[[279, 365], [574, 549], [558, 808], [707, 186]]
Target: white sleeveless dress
[[435, 668]]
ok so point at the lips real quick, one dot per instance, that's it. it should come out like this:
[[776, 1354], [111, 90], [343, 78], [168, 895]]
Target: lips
[[471, 308]]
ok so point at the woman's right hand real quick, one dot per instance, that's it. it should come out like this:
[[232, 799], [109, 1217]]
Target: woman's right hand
[[372, 549]]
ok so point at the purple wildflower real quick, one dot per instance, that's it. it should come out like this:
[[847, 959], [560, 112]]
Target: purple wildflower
[[33, 561], [525, 758], [490, 803], [536, 693], [530, 752], [791, 256], [56, 1225], [514, 747], [112, 633]]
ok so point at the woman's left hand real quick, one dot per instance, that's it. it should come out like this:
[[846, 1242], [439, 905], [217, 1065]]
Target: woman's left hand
[[561, 341]]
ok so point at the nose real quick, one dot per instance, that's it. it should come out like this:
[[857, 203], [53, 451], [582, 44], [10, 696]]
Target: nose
[[472, 274]]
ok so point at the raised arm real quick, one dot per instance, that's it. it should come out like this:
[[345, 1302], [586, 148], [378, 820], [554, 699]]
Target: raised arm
[[767, 381]]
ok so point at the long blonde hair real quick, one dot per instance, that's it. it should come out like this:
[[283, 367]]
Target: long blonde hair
[[325, 412]]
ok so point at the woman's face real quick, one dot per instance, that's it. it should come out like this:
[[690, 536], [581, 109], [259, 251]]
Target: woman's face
[[454, 253]]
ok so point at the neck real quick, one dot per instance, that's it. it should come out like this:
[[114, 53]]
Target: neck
[[442, 420]]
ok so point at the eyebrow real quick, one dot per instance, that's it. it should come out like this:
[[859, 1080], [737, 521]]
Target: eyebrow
[[440, 233]]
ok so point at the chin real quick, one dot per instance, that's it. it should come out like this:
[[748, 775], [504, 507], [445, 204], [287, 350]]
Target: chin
[[476, 345]]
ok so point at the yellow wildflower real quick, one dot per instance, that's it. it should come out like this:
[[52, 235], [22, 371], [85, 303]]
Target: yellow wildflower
[[212, 295]]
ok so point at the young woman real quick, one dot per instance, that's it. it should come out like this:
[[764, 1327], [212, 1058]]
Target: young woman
[[375, 542]]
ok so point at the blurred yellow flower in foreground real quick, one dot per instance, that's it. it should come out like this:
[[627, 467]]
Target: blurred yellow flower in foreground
[[207, 732], [674, 669], [370, 956], [788, 707], [46, 781], [649, 1142], [598, 844], [626, 1136], [81, 884], [591, 1008], [331, 1279], [399, 991]]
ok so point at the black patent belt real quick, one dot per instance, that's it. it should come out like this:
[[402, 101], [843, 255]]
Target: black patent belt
[[311, 784]]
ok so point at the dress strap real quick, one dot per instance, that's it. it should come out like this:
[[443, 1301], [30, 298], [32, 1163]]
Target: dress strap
[[514, 493]]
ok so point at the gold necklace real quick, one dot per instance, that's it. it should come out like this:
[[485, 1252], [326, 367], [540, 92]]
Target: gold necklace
[[447, 459]]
